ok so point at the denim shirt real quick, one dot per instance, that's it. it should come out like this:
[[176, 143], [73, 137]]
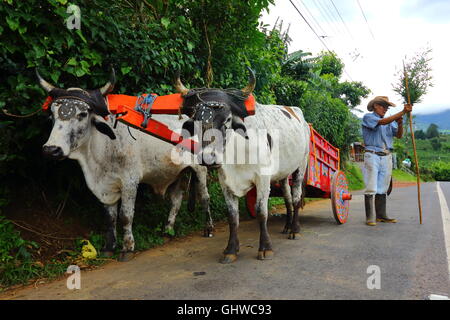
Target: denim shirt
[[376, 136]]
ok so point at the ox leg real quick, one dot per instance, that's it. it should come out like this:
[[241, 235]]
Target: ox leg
[[126, 215], [111, 234], [265, 251], [176, 197], [297, 182], [286, 188], [202, 191], [232, 249]]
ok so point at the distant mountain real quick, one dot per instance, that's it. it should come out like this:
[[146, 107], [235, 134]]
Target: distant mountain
[[441, 119]]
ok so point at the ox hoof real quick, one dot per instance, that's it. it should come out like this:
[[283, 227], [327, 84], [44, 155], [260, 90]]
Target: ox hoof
[[294, 236], [265, 255], [126, 256], [228, 258], [106, 253]]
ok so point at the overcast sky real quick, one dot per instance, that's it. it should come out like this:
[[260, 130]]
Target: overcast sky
[[372, 51]]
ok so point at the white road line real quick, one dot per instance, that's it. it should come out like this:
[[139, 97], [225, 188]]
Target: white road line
[[445, 213]]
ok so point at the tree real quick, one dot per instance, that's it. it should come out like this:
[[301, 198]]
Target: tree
[[418, 71], [352, 93], [299, 65], [436, 143], [419, 134], [432, 131], [329, 63]]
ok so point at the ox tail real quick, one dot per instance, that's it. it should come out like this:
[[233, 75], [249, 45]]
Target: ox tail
[[193, 181], [305, 179]]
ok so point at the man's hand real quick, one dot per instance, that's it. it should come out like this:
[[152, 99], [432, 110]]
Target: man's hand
[[407, 108]]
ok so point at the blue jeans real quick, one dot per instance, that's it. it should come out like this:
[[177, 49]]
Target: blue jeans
[[377, 173]]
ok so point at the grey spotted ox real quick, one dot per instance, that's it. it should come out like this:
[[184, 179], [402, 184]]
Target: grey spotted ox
[[115, 161], [249, 151]]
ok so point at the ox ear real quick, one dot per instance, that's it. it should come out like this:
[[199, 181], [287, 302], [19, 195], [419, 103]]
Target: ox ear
[[238, 125], [104, 128], [189, 126], [239, 110]]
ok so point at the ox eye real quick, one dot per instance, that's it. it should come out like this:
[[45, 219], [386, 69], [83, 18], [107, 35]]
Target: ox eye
[[82, 115]]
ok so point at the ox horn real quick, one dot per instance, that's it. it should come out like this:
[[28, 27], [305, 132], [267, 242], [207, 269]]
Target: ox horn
[[44, 84], [179, 86], [251, 83], [108, 87]]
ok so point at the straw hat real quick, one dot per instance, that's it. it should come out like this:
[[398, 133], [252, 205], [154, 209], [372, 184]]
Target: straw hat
[[381, 100]]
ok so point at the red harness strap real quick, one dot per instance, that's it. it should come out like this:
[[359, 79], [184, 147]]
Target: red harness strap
[[47, 103]]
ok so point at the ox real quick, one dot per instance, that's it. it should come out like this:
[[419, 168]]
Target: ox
[[278, 135], [115, 161]]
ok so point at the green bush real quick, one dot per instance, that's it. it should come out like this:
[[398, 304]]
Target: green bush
[[441, 171], [354, 176], [14, 254], [12, 246]]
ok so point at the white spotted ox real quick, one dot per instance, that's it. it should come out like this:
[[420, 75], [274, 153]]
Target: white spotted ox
[[115, 161], [276, 138]]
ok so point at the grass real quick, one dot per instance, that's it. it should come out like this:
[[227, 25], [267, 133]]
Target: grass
[[399, 175], [354, 176]]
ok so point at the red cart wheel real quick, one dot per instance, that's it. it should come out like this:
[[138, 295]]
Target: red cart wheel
[[340, 197], [250, 201]]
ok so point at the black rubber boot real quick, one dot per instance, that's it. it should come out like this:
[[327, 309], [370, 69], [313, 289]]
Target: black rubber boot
[[380, 209], [368, 201]]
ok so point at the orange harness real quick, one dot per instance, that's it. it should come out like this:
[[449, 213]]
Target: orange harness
[[123, 107]]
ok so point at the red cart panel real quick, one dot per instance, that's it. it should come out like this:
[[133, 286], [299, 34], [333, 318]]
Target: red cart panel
[[323, 162]]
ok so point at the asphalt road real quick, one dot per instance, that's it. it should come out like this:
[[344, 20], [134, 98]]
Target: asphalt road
[[327, 262]]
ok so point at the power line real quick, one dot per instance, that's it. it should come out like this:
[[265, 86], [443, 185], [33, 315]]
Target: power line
[[318, 37], [329, 16], [333, 16], [343, 22], [325, 18], [362, 11], [314, 19]]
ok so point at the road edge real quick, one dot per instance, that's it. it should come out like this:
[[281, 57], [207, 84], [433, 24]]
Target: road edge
[[445, 213]]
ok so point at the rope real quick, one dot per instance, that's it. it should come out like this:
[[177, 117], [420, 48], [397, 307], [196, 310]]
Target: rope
[[41, 234], [231, 91], [20, 116]]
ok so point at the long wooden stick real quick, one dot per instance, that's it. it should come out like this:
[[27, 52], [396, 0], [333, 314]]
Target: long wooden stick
[[414, 146]]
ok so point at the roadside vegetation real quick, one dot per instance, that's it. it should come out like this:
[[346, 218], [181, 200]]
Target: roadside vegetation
[[46, 208], [433, 151], [354, 176], [400, 175]]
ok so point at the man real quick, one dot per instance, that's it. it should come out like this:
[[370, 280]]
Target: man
[[378, 133]]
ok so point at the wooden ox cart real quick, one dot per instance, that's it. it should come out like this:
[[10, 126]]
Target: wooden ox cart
[[323, 179]]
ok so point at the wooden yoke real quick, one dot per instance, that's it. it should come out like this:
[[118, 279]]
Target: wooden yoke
[[123, 107]]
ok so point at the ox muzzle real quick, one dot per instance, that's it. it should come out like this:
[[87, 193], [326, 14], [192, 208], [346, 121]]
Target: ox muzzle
[[53, 152]]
